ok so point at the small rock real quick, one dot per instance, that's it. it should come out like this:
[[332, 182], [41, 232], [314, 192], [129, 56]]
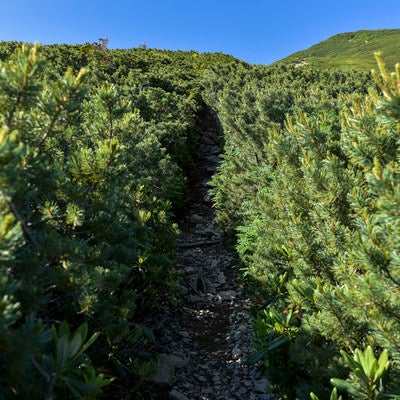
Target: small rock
[[217, 299], [195, 219], [217, 380], [206, 140], [236, 352], [165, 373], [210, 169], [210, 233], [214, 150], [184, 334], [178, 361], [186, 385], [195, 299], [248, 384], [201, 378], [266, 396], [228, 295], [175, 395], [261, 386], [221, 278], [213, 159], [181, 289]]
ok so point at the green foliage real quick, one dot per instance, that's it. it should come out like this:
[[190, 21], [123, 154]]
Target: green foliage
[[334, 396], [91, 168], [252, 105], [44, 362], [94, 145], [350, 51], [367, 374], [311, 193], [66, 369], [273, 333]]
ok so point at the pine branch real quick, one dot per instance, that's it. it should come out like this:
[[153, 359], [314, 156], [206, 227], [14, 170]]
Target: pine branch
[[42, 372], [25, 227], [390, 276], [49, 129], [50, 379]]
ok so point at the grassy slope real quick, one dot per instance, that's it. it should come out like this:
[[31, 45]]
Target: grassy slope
[[351, 50]]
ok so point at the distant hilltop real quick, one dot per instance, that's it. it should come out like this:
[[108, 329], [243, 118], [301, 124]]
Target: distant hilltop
[[350, 50]]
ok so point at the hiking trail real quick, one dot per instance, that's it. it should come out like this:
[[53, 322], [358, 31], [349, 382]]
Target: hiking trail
[[205, 340]]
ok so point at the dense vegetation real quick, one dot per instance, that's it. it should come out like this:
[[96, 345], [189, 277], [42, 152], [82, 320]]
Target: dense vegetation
[[351, 51], [94, 149], [309, 184], [91, 169]]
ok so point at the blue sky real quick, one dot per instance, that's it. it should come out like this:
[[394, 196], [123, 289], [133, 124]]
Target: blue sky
[[256, 31]]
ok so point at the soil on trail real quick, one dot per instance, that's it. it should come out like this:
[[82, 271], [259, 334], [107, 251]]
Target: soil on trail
[[205, 340]]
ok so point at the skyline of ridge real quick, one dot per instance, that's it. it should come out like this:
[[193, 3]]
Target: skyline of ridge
[[258, 32]]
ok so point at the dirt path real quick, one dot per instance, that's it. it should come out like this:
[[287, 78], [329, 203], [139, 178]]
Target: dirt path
[[206, 339]]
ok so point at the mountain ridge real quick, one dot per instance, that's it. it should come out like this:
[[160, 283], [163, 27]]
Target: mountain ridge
[[350, 50]]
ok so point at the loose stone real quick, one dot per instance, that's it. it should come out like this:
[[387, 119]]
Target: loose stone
[[175, 395]]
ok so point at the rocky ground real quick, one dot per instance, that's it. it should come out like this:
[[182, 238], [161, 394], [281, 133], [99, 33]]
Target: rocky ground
[[206, 338]]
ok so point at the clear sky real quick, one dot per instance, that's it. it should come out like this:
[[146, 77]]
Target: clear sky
[[257, 31]]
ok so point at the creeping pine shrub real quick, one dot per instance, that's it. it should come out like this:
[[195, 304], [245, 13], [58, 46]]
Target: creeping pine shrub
[[317, 221], [86, 230]]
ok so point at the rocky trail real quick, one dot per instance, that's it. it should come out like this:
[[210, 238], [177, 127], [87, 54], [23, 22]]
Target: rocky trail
[[206, 338]]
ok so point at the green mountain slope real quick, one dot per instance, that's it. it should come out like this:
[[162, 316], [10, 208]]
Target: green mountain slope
[[351, 50]]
